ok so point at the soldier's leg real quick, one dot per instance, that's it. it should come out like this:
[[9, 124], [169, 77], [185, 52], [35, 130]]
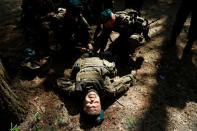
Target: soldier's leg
[[101, 41], [192, 34], [134, 42], [66, 86], [122, 49], [181, 17], [44, 34]]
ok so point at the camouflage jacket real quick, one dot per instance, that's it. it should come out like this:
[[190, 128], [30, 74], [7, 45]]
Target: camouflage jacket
[[94, 73], [94, 68]]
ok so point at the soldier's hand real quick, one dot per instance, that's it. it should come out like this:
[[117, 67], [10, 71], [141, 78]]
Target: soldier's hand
[[45, 23], [52, 14], [134, 72], [83, 49], [90, 47]]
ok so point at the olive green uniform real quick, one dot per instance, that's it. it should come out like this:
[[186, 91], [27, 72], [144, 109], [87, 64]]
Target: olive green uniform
[[95, 73]]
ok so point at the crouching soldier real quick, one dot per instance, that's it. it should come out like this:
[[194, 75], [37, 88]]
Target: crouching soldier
[[91, 79], [71, 28], [132, 30]]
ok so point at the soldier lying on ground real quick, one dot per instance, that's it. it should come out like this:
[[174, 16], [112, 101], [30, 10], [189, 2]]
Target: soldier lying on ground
[[90, 79], [132, 28]]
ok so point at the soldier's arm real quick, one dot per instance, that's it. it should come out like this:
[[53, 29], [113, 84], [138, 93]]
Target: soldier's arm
[[86, 28], [109, 69], [118, 87], [101, 37], [66, 86]]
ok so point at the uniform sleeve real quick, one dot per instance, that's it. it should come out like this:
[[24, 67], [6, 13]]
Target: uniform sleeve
[[109, 69], [66, 86], [101, 38], [117, 87]]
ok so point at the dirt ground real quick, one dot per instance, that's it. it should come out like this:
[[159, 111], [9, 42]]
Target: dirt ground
[[163, 96]]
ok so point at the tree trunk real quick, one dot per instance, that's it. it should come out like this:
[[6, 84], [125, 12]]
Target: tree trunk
[[10, 105]]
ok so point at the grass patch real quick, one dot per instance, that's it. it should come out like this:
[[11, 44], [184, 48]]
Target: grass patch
[[36, 117], [13, 128], [131, 123]]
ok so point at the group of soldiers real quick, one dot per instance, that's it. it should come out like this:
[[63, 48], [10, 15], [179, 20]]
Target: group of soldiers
[[91, 76]]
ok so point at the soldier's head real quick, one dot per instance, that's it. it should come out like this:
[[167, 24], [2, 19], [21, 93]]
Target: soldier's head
[[92, 107], [92, 103], [107, 18]]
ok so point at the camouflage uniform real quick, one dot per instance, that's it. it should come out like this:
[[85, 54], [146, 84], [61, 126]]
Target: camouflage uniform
[[131, 28], [95, 73]]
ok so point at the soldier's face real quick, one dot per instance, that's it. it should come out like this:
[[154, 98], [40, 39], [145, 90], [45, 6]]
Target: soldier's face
[[92, 104]]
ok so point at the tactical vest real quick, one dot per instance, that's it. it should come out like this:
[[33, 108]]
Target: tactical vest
[[94, 68]]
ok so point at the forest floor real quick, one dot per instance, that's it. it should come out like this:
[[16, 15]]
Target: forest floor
[[163, 96]]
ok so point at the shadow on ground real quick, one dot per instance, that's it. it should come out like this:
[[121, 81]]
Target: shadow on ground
[[177, 85]]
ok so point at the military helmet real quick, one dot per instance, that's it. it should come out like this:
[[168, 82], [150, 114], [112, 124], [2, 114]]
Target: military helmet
[[105, 16]]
